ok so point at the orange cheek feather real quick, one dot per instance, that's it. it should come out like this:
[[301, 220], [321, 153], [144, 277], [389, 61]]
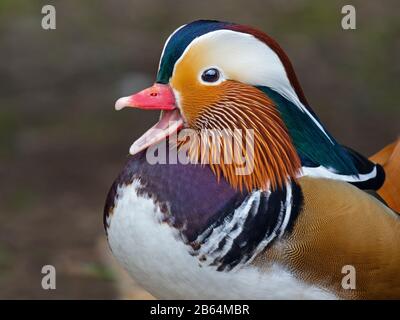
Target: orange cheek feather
[[194, 96], [243, 107]]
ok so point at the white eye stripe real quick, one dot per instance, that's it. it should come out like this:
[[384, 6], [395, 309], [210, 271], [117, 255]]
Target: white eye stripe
[[242, 57]]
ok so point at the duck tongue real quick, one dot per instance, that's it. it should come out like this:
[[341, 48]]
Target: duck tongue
[[170, 122]]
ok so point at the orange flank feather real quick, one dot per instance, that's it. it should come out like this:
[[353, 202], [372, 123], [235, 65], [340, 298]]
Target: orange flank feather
[[389, 158]]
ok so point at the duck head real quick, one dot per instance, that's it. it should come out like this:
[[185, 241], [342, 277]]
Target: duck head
[[211, 77]]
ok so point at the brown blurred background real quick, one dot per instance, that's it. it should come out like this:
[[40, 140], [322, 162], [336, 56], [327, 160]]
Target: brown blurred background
[[62, 144]]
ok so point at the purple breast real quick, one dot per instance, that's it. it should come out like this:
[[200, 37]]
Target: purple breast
[[188, 194]]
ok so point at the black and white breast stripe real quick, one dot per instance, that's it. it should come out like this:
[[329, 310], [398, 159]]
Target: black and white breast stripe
[[222, 227], [240, 235]]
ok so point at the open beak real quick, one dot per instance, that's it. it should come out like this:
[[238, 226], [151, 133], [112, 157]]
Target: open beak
[[157, 97]]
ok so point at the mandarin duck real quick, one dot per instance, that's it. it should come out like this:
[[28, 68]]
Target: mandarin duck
[[284, 230]]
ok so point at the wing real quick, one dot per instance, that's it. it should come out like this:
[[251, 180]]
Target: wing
[[366, 175]]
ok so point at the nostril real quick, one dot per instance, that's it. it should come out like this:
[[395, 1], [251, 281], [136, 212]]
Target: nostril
[[153, 94]]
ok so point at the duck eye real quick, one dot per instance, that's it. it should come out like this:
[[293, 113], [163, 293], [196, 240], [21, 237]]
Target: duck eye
[[210, 75]]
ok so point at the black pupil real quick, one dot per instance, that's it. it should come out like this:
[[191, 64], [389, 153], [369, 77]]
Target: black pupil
[[210, 75]]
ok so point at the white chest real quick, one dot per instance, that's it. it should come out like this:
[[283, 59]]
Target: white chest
[[153, 254]]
